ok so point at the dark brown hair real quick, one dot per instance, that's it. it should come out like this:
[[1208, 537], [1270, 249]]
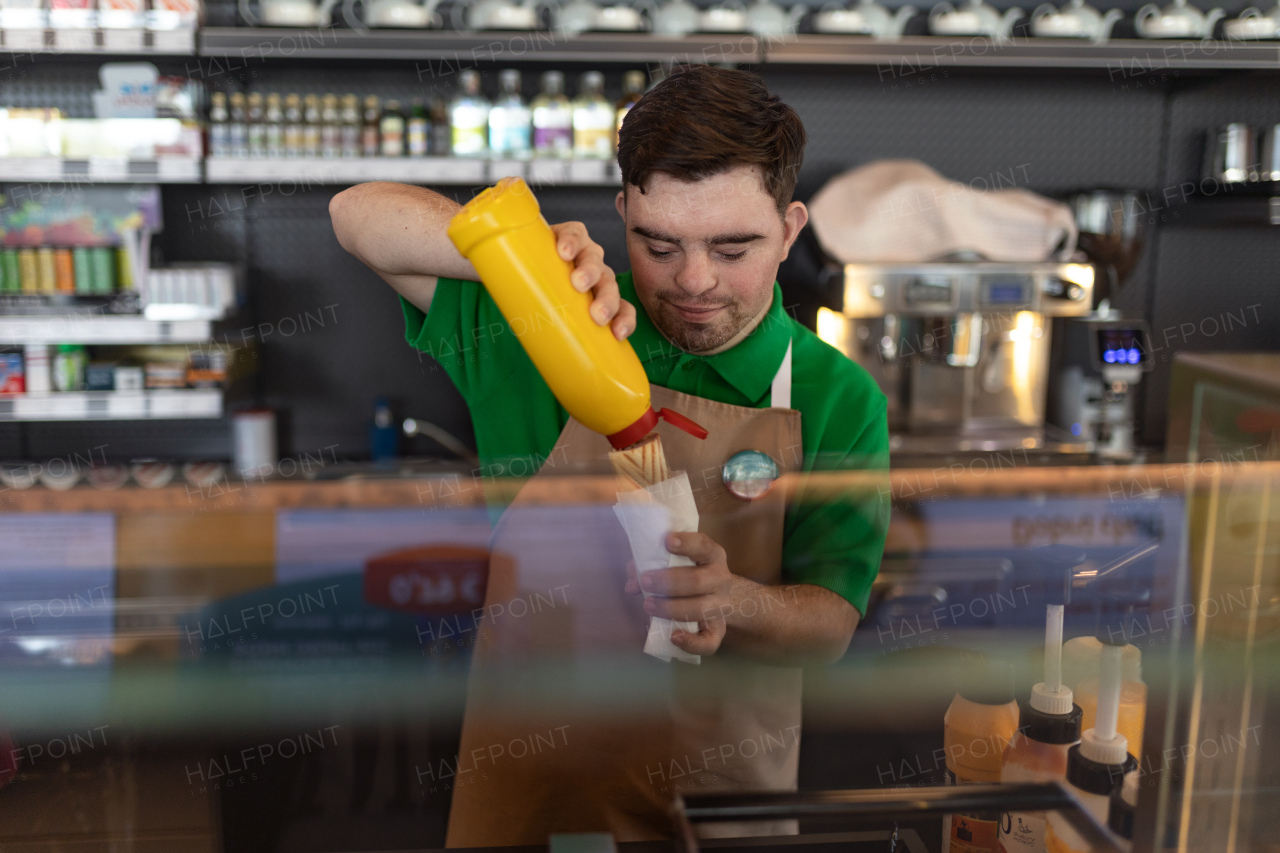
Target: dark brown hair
[[702, 121]]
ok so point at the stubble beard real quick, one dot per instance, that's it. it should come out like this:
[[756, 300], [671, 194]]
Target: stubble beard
[[700, 337]]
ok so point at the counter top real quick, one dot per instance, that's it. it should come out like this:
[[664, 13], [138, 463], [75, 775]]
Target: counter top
[[454, 491]]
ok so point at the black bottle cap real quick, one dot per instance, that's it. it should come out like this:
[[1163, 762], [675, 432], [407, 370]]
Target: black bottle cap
[[1093, 777], [1049, 728]]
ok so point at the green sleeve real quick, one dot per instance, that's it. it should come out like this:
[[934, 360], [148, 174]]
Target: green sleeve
[[466, 333], [837, 541]]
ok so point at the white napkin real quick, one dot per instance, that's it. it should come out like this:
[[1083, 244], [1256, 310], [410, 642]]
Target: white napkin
[[647, 532]]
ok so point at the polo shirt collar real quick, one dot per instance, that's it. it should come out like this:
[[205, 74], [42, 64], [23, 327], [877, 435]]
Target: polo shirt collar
[[749, 366]]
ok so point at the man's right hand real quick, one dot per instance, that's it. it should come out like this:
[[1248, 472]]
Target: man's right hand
[[590, 273]]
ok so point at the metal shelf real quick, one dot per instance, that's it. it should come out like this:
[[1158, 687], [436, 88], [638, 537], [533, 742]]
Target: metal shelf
[[465, 49], [454, 50], [436, 171], [162, 170], [76, 329], [175, 403], [99, 42], [1119, 56], [1227, 212]]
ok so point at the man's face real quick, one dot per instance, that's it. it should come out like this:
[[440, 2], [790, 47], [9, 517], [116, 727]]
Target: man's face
[[704, 254]]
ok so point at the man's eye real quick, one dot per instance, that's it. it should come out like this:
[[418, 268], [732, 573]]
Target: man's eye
[[658, 255], [733, 256]]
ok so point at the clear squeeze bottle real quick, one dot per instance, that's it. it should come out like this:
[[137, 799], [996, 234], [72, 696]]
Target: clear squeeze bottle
[[1097, 766], [595, 376], [977, 729], [1048, 727]]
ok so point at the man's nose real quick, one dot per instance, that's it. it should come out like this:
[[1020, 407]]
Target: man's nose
[[697, 275]]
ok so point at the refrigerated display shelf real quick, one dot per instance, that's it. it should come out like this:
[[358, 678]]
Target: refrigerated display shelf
[[74, 329], [163, 170], [169, 403], [464, 171]]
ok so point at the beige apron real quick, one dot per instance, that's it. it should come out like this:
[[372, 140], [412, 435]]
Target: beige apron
[[538, 755]]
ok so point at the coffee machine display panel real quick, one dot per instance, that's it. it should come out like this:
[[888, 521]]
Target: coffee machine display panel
[[1117, 345]]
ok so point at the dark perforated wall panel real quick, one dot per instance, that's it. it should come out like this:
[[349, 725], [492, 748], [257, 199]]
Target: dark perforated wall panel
[[1051, 132]]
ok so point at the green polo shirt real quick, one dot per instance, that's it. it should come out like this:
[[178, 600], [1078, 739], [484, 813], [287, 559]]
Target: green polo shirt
[[835, 544]]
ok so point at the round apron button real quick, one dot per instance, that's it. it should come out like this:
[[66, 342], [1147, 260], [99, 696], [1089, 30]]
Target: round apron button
[[749, 474]]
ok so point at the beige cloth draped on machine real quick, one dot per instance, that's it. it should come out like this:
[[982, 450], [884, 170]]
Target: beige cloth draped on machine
[[724, 725]]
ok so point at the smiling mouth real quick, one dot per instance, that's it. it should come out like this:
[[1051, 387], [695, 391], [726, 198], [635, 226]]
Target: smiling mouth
[[697, 313]]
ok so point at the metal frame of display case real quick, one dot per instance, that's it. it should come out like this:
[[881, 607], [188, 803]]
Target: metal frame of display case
[[879, 806]]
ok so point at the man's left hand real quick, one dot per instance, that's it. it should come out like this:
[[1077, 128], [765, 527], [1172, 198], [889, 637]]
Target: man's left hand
[[699, 593]]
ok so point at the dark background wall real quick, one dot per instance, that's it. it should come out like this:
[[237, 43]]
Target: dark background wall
[[1053, 132]]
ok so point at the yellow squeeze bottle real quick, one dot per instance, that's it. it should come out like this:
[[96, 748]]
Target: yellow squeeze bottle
[[596, 377]]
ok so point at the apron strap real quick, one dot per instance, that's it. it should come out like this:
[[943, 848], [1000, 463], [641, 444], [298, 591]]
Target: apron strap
[[780, 396]]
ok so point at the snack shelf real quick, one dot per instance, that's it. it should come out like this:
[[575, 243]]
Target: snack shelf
[[81, 329], [99, 42], [182, 170], [422, 170], [168, 403]]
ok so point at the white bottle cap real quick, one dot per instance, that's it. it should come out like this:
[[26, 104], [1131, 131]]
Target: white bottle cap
[[1048, 702], [1094, 748]]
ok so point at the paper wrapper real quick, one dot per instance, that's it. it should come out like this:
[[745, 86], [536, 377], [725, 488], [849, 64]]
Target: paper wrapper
[[647, 532]]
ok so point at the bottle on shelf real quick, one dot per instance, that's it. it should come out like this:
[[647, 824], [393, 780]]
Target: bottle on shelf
[[469, 117], [46, 271], [632, 91], [594, 119], [311, 126], [293, 133], [391, 130], [417, 129], [441, 143], [369, 126], [219, 133], [102, 270], [552, 118], [256, 117], [330, 127], [69, 362], [12, 277], [28, 272], [238, 127], [977, 729], [84, 270], [274, 117], [510, 120], [350, 136], [124, 270], [64, 269]]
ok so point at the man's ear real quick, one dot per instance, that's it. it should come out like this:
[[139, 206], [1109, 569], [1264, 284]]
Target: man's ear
[[793, 222], [620, 202]]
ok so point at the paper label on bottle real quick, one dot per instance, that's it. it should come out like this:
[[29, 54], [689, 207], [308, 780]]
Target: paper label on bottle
[[972, 835], [1021, 832]]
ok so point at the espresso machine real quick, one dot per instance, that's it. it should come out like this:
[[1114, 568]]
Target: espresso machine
[[961, 350]]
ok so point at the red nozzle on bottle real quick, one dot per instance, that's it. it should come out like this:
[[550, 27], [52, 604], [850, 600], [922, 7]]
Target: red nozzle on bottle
[[638, 430]]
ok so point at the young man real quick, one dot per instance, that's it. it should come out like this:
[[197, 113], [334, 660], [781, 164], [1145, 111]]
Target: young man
[[709, 161]]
